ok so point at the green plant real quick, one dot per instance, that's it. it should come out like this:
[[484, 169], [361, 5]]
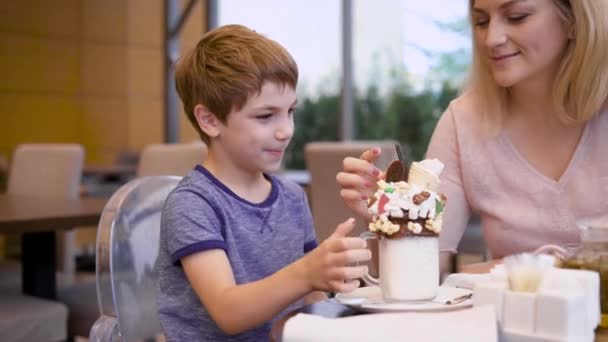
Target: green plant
[[401, 115], [395, 111]]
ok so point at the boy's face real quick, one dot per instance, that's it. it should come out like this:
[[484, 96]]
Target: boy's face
[[255, 137]]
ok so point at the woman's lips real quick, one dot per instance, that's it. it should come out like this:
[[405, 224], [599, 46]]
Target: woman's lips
[[503, 57]]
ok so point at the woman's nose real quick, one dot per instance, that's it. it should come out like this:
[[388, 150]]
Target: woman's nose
[[496, 34]]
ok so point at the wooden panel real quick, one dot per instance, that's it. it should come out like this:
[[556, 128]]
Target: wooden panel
[[145, 123], [35, 64], [104, 21], [144, 72], [41, 17], [193, 28], [101, 155], [37, 118], [104, 69], [145, 23], [104, 127]]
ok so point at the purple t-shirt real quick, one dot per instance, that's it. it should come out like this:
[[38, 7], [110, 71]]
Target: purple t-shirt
[[258, 238]]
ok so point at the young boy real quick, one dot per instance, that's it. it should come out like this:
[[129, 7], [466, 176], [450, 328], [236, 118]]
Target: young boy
[[237, 244]]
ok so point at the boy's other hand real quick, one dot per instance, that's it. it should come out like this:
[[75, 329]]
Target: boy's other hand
[[333, 265]]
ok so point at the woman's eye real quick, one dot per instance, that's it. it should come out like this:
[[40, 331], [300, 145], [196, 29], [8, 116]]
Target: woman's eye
[[517, 18], [481, 22]]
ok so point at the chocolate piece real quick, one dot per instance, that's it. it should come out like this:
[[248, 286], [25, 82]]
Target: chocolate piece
[[421, 197], [396, 172]]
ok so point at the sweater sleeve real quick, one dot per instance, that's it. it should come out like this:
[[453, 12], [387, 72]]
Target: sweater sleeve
[[444, 146]]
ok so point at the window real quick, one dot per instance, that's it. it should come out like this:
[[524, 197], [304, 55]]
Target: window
[[410, 59]]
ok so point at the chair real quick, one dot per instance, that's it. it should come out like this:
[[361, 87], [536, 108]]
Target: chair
[[50, 170], [46, 170], [39, 170], [324, 161], [155, 160], [170, 159], [25, 318], [127, 249]]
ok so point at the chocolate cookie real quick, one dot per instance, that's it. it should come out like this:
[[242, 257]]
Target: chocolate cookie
[[396, 172]]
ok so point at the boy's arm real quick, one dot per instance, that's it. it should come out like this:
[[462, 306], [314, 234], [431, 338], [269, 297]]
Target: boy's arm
[[237, 308], [315, 296]]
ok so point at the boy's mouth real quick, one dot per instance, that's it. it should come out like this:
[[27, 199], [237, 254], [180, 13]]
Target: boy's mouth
[[275, 152]]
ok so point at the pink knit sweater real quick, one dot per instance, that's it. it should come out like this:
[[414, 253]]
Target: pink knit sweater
[[520, 208]]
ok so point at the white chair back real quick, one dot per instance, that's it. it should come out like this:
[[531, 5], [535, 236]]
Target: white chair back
[[170, 159], [46, 170], [50, 170], [127, 249]]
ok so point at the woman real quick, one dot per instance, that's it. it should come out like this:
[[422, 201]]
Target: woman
[[525, 146]]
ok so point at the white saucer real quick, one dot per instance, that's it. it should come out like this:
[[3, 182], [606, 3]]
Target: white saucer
[[369, 299]]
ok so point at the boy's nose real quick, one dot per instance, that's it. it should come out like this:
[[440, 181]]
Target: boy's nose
[[285, 130]]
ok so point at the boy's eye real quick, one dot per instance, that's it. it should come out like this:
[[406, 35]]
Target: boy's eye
[[292, 110], [264, 116]]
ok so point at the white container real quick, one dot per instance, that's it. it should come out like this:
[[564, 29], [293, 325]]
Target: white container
[[568, 281], [519, 312], [561, 316], [565, 308], [490, 293]]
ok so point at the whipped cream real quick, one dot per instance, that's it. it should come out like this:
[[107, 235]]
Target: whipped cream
[[433, 166], [398, 199]]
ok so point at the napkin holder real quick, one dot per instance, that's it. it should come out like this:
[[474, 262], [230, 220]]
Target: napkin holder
[[565, 307]]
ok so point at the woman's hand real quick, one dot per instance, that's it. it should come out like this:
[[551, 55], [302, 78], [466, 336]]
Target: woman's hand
[[358, 179], [480, 267]]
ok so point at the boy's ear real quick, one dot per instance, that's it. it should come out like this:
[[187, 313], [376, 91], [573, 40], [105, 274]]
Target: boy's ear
[[207, 121]]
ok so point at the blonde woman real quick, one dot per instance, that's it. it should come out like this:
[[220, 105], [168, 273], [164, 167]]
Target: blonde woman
[[525, 146]]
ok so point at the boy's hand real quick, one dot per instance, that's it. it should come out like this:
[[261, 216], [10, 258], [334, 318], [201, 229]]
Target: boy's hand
[[332, 266]]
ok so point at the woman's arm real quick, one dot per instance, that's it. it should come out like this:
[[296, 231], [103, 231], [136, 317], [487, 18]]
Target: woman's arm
[[445, 146], [480, 267]]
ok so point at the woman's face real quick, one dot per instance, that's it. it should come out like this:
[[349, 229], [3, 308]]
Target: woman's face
[[519, 40]]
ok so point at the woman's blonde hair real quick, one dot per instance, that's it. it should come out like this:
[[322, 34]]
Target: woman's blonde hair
[[581, 84]]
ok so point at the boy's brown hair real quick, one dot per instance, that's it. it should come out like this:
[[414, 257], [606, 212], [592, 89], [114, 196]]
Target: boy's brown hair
[[228, 65]]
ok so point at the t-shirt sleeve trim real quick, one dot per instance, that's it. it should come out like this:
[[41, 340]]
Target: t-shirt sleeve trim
[[197, 247], [310, 245]]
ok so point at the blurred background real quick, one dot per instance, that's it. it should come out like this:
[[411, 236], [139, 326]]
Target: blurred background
[[93, 71], [99, 73]]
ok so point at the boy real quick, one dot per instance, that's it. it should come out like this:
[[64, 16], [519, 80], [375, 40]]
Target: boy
[[237, 244]]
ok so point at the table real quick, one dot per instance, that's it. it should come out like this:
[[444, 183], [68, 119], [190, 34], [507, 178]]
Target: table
[[118, 171], [333, 309], [37, 219]]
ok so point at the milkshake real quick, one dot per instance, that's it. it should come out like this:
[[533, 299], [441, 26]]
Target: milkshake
[[407, 219]]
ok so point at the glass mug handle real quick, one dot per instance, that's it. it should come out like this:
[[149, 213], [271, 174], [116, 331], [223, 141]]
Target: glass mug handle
[[367, 278], [558, 251]]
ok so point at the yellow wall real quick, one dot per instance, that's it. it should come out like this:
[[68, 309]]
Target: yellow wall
[[87, 71]]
